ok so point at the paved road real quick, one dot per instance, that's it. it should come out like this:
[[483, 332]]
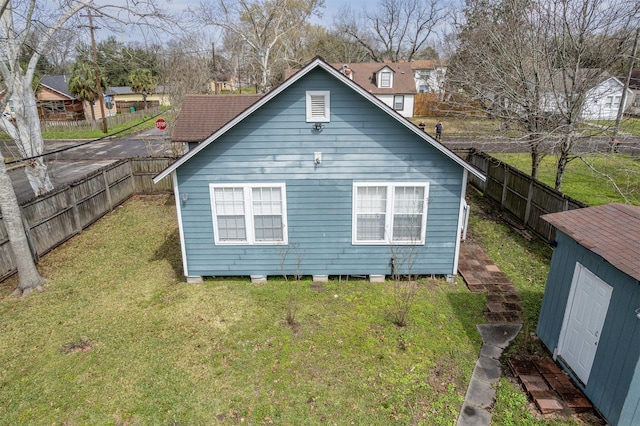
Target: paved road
[[69, 161]]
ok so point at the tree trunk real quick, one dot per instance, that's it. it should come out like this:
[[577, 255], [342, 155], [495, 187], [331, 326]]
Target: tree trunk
[[28, 138], [144, 98], [536, 155], [563, 159], [29, 277], [93, 112]]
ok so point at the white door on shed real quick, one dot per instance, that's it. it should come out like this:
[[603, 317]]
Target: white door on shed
[[583, 320]]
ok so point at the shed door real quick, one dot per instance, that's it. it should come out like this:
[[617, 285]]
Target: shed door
[[583, 320]]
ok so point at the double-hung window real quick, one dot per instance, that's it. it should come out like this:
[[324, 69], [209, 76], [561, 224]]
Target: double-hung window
[[398, 102], [385, 79], [246, 214], [390, 213]]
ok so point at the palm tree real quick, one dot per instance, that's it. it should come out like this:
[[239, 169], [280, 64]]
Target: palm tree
[[143, 81], [82, 84]]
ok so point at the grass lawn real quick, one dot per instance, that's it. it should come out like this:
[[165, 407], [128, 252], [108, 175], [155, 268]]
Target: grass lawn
[[616, 178], [118, 337]]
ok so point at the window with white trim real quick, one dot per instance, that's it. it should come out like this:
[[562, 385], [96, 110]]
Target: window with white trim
[[246, 214], [318, 106], [390, 213], [398, 102], [385, 79]]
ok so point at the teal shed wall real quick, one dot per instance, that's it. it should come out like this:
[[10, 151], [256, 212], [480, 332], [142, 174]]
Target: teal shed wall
[[276, 144], [614, 382]]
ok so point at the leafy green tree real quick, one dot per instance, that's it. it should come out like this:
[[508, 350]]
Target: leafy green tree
[[82, 84], [143, 81], [118, 59]]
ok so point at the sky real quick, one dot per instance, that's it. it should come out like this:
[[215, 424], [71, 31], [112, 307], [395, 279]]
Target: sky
[[331, 10]]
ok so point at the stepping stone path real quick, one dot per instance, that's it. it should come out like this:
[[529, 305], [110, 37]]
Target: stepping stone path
[[550, 388], [483, 276]]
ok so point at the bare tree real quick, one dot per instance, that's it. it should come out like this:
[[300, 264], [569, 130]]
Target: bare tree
[[184, 68], [19, 20], [261, 24], [572, 30], [532, 64], [396, 30], [503, 68]]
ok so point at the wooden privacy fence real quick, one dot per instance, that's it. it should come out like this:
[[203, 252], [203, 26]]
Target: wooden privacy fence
[[57, 216], [114, 120], [519, 194], [438, 105]]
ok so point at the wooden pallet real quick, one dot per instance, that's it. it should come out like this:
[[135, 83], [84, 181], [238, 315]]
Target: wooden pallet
[[550, 388]]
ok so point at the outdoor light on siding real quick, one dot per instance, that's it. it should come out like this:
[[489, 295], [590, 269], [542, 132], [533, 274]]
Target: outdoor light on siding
[[317, 126], [317, 157], [638, 313], [184, 197]]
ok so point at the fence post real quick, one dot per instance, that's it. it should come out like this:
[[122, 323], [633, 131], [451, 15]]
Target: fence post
[[505, 185], [527, 209], [27, 233], [74, 209], [108, 189]]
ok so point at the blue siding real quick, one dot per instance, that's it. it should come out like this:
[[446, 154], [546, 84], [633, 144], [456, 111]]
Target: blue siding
[[613, 384], [276, 144]]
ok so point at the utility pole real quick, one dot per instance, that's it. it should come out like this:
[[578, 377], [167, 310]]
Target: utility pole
[[213, 67], [623, 98], [95, 67]]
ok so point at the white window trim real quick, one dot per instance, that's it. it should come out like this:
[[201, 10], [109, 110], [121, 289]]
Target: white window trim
[[327, 106], [388, 228], [249, 216], [386, 70], [394, 102]]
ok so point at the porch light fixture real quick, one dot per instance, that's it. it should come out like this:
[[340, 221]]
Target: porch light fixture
[[184, 196], [317, 126]]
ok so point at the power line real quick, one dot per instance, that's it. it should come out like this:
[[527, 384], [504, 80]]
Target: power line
[[67, 148]]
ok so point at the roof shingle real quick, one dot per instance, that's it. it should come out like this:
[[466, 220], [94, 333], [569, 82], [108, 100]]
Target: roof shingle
[[202, 115], [611, 231]]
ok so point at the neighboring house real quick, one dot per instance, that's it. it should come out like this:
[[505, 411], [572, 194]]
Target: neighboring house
[[124, 98], [57, 103], [223, 83], [590, 315], [9, 109], [429, 75], [319, 170], [392, 83], [603, 101], [203, 115], [603, 94], [634, 84]]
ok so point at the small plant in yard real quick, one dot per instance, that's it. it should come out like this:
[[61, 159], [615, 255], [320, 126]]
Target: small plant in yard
[[405, 283], [292, 286]]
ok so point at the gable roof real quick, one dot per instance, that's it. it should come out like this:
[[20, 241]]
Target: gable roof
[[320, 63], [57, 83], [611, 231], [364, 73], [203, 115]]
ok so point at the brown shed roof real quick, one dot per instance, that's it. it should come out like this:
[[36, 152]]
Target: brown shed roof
[[203, 115], [611, 231]]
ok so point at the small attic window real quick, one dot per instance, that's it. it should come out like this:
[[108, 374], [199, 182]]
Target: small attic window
[[318, 106], [385, 79]]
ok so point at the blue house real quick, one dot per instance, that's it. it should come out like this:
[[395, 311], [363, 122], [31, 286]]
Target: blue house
[[318, 177], [590, 315]]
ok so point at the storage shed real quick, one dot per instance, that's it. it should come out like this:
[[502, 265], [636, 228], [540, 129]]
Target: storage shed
[[321, 170], [590, 316]]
